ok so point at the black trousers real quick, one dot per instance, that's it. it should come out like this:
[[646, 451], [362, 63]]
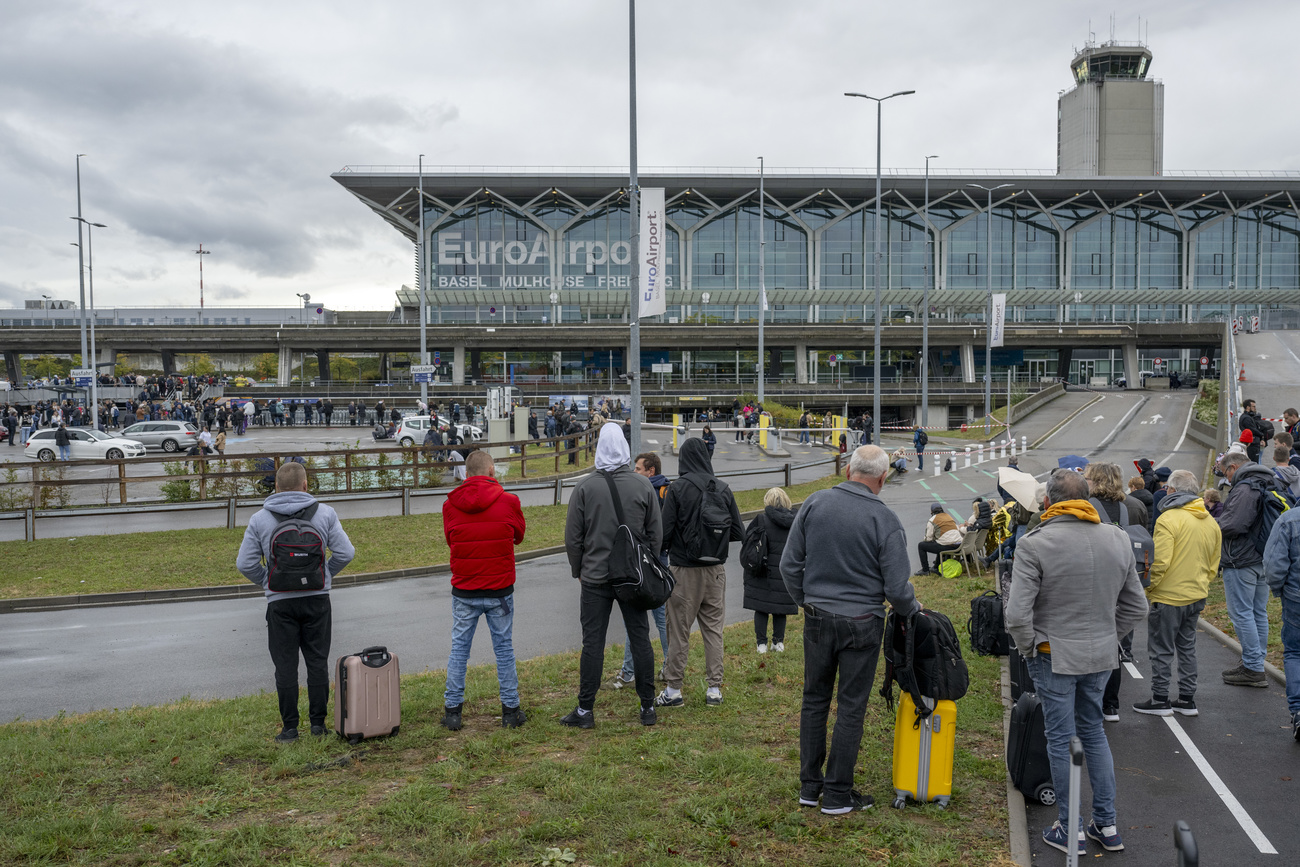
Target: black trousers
[[300, 624], [760, 627], [925, 548], [1110, 698], [596, 603]]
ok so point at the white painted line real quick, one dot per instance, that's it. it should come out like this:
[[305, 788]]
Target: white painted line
[[1229, 800], [1066, 423], [1132, 670], [1110, 436], [1278, 338], [653, 442], [1191, 409]]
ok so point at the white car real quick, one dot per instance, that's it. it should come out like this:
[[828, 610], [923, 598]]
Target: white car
[[86, 445], [412, 428]]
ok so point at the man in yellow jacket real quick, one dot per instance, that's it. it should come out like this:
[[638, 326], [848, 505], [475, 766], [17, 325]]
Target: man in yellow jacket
[[1187, 543]]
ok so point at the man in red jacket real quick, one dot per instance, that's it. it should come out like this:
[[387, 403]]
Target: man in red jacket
[[482, 524]]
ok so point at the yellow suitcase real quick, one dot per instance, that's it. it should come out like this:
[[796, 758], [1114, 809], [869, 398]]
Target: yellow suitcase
[[923, 752]]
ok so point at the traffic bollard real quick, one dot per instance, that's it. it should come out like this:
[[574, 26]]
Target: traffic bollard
[[1013, 447], [968, 456], [1024, 447], [979, 453], [935, 461]]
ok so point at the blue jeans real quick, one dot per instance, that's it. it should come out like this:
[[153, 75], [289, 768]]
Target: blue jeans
[[1291, 652], [661, 621], [1246, 593], [803, 436], [65, 453], [1072, 705], [920, 458], [500, 620]]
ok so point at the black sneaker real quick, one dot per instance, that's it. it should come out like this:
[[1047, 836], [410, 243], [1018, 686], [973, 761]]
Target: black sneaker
[[857, 801], [286, 736], [579, 720], [512, 717], [1110, 713], [1184, 706], [1295, 725], [451, 720], [319, 731], [1154, 707], [648, 716], [809, 796]]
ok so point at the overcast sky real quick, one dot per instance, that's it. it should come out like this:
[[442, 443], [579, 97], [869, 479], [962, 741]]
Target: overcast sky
[[220, 123]]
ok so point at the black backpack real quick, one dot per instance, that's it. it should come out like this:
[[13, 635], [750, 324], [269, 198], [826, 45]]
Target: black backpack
[[708, 534], [923, 654], [923, 438], [1144, 547], [1266, 431], [753, 553], [988, 634], [297, 556], [635, 573], [1273, 503]]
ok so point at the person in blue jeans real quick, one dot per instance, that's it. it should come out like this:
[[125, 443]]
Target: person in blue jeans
[[482, 524], [1282, 570], [919, 441], [647, 464], [63, 439], [1074, 592], [1244, 588]]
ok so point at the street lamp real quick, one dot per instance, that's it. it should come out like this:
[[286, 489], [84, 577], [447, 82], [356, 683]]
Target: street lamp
[[988, 316], [48, 299], [761, 367], [90, 269], [81, 264], [555, 313], [925, 304], [704, 302], [423, 277], [305, 297], [875, 402]]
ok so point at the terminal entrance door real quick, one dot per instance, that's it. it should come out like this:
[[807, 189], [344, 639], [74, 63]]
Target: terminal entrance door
[[1087, 370], [1037, 368]]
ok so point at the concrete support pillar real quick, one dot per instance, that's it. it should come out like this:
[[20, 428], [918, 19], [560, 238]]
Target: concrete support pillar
[[169, 361], [476, 364], [13, 368], [968, 362], [1063, 356], [383, 367], [107, 356], [801, 363], [284, 369], [775, 368], [1131, 365], [323, 365], [458, 364]]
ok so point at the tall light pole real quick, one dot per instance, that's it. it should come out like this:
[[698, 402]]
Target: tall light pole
[[94, 365], [925, 304], [48, 299], [634, 290], [988, 315], [761, 367], [875, 315], [423, 276], [81, 263], [201, 253]]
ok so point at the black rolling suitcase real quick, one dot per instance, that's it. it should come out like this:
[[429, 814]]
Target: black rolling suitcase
[[1021, 681], [1027, 762]]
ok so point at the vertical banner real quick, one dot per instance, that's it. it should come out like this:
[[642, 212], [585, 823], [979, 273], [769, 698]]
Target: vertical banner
[[999, 319], [654, 301]]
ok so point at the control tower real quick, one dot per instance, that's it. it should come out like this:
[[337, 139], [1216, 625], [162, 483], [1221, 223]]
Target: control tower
[[1112, 122]]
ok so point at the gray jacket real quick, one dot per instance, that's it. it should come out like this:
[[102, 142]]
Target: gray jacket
[[1074, 585], [859, 554], [1239, 516], [256, 546], [591, 522]]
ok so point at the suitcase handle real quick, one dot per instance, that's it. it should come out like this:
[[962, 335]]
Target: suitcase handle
[[378, 648], [374, 657]]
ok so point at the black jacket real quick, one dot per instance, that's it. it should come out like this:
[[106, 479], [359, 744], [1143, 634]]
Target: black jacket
[[682, 502], [767, 593], [1240, 514]]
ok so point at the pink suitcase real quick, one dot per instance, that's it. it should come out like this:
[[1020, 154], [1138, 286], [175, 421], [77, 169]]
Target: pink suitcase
[[367, 695]]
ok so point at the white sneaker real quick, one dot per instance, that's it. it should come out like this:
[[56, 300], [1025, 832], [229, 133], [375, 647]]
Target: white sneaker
[[779, 647], [762, 648], [619, 682], [713, 696]]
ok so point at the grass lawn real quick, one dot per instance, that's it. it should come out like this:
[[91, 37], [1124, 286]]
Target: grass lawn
[[203, 558], [202, 783], [1216, 611]]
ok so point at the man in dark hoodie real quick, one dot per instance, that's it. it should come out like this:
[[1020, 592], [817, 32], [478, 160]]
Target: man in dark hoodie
[[1244, 587], [697, 551], [482, 524], [647, 464], [296, 620], [589, 531], [1148, 471]]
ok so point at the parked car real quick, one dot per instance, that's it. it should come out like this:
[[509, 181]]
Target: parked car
[[412, 428], [170, 436], [86, 445]]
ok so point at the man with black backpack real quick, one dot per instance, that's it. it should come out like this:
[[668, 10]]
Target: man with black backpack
[[700, 521], [293, 548], [1261, 429], [1245, 591], [590, 530]]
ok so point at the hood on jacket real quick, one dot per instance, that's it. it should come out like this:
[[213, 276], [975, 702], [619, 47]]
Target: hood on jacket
[[1144, 466], [1190, 503], [288, 502], [612, 451], [476, 494], [694, 458], [779, 515], [1247, 471], [1288, 474], [1081, 509]]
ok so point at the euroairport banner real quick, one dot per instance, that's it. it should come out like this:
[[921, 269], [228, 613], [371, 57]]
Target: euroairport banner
[[996, 327], [653, 298]]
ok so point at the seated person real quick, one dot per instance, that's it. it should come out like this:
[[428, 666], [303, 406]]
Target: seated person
[[380, 431], [941, 534], [898, 460], [981, 516]]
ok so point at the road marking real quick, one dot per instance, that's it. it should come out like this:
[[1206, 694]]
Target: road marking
[[1110, 436], [1191, 409], [1097, 418], [923, 484], [1132, 670], [1229, 800], [969, 488], [1060, 427], [653, 442]]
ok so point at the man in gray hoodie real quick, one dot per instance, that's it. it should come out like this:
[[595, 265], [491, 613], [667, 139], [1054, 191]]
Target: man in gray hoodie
[[296, 620], [1244, 589]]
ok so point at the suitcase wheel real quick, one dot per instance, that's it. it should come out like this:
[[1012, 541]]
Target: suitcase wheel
[[898, 803], [1045, 794], [353, 740]]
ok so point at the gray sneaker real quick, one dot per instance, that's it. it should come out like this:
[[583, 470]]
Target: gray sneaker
[[1242, 676], [713, 696]]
